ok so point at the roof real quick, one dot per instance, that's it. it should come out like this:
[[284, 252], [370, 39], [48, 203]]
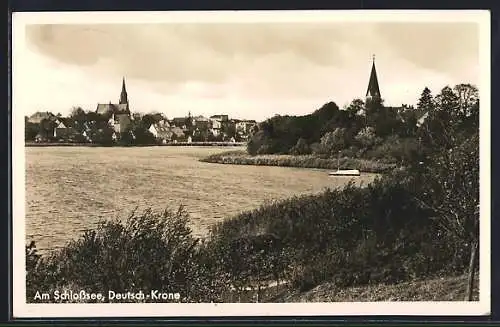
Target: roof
[[162, 130], [373, 88], [123, 94], [219, 117], [111, 108], [177, 131], [180, 120], [166, 131], [64, 121], [37, 117], [200, 119], [247, 122]]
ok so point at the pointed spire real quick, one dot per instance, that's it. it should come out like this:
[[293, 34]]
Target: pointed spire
[[373, 90], [123, 95]]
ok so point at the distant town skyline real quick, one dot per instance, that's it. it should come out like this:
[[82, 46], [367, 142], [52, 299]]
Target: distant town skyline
[[245, 70]]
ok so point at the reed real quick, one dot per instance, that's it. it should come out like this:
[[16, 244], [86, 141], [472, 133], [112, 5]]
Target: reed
[[299, 161]]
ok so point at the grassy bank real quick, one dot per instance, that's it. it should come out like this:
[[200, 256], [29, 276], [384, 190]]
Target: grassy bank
[[450, 288], [299, 161]]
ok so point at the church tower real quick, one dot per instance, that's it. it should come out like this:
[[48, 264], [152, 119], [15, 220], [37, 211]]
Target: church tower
[[373, 91], [123, 95]]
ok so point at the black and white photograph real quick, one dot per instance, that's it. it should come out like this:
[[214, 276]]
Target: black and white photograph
[[251, 163]]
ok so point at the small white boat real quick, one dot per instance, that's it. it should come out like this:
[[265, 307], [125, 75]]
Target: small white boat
[[343, 172]]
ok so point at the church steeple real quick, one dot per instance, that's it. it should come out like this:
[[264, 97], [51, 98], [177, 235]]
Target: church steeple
[[373, 90], [123, 95]]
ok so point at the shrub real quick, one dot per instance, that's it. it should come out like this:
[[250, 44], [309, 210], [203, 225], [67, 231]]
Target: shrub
[[303, 161], [149, 251], [352, 236], [332, 142], [301, 148]]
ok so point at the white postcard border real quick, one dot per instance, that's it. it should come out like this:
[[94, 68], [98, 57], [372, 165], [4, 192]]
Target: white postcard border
[[23, 310]]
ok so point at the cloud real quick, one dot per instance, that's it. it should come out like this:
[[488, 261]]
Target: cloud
[[268, 65], [435, 46]]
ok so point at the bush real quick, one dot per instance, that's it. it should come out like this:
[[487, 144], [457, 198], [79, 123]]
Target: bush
[[301, 148], [301, 161], [397, 150], [352, 236], [149, 251]]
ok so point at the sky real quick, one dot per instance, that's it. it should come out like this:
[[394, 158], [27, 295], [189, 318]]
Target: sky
[[246, 70]]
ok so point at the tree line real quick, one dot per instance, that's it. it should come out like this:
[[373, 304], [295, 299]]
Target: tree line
[[371, 130]]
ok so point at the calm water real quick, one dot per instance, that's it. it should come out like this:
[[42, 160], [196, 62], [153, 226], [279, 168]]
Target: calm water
[[70, 189]]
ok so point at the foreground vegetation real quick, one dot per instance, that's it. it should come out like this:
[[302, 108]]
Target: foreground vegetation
[[415, 223], [433, 289], [299, 161]]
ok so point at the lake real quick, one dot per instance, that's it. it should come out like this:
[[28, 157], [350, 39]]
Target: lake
[[70, 189]]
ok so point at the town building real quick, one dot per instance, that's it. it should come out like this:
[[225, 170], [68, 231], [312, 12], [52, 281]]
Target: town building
[[38, 116], [201, 123], [161, 132], [373, 94], [245, 126], [217, 122], [63, 128], [181, 122], [373, 90], [118, 113], [221, 118]]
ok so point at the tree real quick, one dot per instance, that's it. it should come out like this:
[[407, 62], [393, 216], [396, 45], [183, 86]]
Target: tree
[[440, 128], [373, 107], [471, 122], [356, 107], [426, 101], [200, 134], [301, 148], [102, 133], [448, 101], [149, 119], [229, 129], [136, 116], [93, 118], [79, 118], [143, 136], [367, 138], [409, 125], [30, 130], [451, 191], [137, 133], [383, 119], [258, 141], [332, 142], [47, 127], [467, 95], [326, 112]]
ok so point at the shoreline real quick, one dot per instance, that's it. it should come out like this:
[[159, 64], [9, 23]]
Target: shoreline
[[298, 161], [213, 144]]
